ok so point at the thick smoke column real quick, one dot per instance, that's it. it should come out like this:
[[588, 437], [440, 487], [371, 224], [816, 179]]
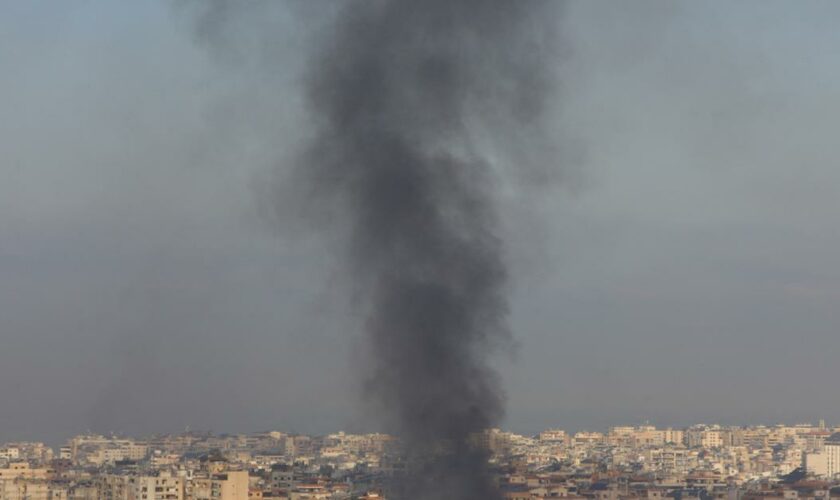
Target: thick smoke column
[[402, 94]]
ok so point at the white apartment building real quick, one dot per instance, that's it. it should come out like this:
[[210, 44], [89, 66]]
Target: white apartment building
[[825, 463], [832, 451]]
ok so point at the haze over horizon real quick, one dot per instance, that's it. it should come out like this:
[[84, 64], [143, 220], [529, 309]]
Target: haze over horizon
[[685, 271]]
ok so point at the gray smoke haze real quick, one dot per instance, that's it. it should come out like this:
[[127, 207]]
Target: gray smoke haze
[[397, 169], [397, 92], [414, 106], [136, 275]]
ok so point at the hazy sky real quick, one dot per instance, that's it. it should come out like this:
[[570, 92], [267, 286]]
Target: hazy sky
[[684, 268]]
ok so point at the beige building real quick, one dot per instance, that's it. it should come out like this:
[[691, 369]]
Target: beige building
[[673, 436], [715, 438], [622, 436], [555, 435], [22, 470], [112, 487], [229, 485], [588, 438], [647, 435], [826, 462], [25, 489], [115, 453], [19, 481], [85, 491], [162, 487], [816, 463], [34, 451], [671, 460], [98, 450], [755, 437]]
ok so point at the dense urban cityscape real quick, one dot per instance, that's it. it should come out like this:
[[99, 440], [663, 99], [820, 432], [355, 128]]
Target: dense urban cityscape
[[383, 243], [783, 462]]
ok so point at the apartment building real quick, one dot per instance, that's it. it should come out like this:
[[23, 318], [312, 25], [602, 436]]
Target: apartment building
[[228, 485]]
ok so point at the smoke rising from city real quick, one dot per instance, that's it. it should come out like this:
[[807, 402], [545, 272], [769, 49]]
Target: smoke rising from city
[[139, 265], [394, 91]]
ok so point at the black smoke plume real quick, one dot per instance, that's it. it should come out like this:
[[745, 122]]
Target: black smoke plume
[[415, 105], [402, 93]]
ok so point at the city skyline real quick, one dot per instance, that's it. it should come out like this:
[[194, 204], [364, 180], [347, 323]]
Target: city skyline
[[828, 425], [624, 463]]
